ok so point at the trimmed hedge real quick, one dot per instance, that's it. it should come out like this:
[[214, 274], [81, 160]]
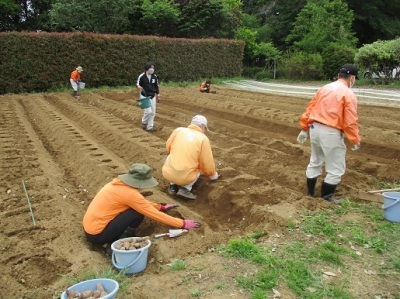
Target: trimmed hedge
[[36, 62]]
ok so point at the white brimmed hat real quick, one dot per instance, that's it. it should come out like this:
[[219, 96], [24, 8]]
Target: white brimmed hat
[[79, 68]]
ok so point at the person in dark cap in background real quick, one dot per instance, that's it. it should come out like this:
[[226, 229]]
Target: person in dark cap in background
[[330, 115], [119, 207], [207, 87], [147, 83], [190, 155]]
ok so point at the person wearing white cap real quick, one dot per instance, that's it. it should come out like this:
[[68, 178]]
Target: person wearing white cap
[[75, 80], [190, 155]]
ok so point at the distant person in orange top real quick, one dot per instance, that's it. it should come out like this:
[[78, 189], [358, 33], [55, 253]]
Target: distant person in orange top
[[190, 155], [119, 208], [207, 87], [330, 115], [75, 80]]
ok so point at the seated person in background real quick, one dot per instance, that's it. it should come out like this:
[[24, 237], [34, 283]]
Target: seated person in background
[[119, 207], [207, 87]]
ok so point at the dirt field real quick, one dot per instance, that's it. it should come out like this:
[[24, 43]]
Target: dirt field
[[65, 150]]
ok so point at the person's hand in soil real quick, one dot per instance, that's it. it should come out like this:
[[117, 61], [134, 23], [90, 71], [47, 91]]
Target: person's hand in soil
[[167, 207], [215, 177], [189, 224]]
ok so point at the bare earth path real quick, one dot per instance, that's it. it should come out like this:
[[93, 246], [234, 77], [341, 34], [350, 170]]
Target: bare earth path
[[65, 150]]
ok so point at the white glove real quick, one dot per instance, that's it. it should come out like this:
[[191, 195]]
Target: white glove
[[302, 137], [356, 147], [214, 177]]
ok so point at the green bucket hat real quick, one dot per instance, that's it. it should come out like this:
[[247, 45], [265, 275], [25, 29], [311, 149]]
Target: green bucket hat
[[139, 176]]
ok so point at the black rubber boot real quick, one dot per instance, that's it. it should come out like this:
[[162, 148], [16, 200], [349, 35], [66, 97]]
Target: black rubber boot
[[75, 93], [311, 186], [327, 191]]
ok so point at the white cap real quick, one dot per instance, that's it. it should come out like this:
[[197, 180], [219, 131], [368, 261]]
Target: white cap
[[199, 120], [79, 68]]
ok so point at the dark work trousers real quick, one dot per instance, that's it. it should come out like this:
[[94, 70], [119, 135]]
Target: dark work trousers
[[129, 218]]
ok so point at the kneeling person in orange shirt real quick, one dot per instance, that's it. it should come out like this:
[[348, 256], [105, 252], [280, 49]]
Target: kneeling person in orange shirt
[[190, 155], [119, 207]]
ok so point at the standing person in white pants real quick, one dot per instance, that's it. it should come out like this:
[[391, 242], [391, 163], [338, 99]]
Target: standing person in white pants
[[75, 80], [330, 115], [147, 83]]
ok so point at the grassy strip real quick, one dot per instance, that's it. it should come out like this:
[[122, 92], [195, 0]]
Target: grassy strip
[[331, 239]]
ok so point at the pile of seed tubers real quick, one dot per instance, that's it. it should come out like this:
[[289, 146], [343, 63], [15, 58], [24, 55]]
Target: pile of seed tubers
[[89, 294], [132, 243]]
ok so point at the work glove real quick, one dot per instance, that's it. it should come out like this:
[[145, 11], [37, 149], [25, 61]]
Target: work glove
[[189, 224], [356, 147], [302, 137], [167, 207], [215, 176]]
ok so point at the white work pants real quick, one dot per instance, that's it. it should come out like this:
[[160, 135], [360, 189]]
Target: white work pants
[[74, 85], [149, 113], [327, 146], [190, 186]]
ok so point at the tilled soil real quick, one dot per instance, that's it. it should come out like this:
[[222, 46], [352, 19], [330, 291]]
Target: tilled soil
[[64, 150]]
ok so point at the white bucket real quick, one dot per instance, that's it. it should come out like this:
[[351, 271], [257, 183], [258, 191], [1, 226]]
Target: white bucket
[[132, 261], [81, 85], [391, 206]]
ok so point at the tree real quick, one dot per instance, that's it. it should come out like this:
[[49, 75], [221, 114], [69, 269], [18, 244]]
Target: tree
[[375, 19], [9, 15], [158, 13], [98, 16], [24, 14], [209, 18], [249, 36], [269, 54], [380, 57], [277, 18], [321, 22]]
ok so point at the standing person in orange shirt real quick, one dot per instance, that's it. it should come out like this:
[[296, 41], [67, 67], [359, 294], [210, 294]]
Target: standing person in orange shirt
[[119, 207], [190, 155], [331, 114], [75, 80]]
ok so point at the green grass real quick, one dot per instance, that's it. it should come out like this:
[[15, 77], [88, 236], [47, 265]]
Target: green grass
[[177, 265], [339, 237], [195, 293]]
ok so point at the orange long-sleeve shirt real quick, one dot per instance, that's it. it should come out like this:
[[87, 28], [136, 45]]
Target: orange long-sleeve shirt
[[117, 197], [334, 105], [189, 152], [75, 75], [203, 87]]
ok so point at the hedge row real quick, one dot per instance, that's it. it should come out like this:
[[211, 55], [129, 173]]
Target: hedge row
[[36, 62]]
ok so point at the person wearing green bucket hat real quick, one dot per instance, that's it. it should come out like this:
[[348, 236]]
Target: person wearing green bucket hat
[[119, 207]]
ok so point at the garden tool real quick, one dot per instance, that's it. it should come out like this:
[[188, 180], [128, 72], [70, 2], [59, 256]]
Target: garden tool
[[172, 233]]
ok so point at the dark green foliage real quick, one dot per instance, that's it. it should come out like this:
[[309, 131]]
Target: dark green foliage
[[375, 19], [40, 62], [302, 66], [334, 56]]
